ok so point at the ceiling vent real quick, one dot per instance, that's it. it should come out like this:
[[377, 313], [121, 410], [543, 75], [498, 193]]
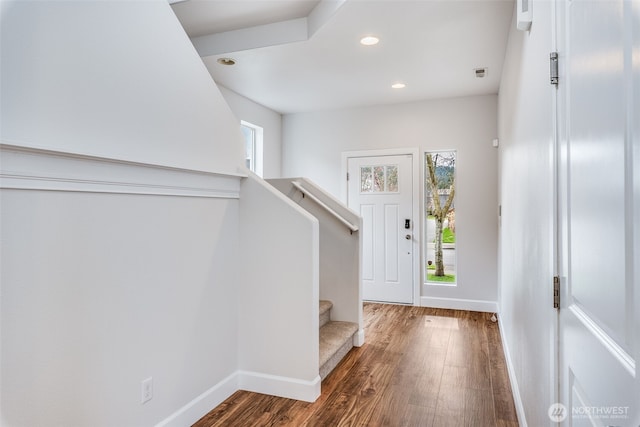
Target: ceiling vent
[[480, 72]]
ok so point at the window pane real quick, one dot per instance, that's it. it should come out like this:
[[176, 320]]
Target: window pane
[[378, 179], [366, 183], [249, 146], [440, 225], [392, 178]]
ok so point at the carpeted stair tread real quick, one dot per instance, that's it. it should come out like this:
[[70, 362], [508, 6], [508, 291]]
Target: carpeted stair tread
[[336, 339], [325, 306], [325, 312]]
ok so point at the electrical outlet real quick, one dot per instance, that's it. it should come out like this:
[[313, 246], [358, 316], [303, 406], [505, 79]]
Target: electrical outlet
[[147, 390]]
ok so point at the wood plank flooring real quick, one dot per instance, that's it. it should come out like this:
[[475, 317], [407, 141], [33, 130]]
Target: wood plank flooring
[[419, 367]]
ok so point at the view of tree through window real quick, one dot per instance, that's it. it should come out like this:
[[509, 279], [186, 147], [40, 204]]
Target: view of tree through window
[[440, 189]]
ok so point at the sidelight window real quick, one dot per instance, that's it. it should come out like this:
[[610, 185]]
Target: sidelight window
[[440, 217]]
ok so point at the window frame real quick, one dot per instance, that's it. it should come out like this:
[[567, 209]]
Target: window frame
[[257, 136]]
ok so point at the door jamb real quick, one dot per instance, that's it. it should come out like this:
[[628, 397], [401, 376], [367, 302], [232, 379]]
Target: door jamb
[[415, 208], [556, 109]]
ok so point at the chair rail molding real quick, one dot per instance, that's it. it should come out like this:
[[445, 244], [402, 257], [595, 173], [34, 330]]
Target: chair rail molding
[[29, 168]]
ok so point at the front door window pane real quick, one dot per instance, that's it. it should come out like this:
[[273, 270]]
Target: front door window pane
[[392, 178], [366, 180], [379, 179]]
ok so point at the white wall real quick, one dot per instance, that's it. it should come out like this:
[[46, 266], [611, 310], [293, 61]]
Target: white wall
[[112, 79], [313, 143], [527, 226], [100, 291], [271, 123]]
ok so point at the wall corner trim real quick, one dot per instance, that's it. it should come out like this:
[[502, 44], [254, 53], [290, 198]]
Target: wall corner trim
[[291, 388], [203, 404], [29, 168]]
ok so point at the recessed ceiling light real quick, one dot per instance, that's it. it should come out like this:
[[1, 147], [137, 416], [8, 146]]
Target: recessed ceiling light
[[398, 85], [226, 61], [369, 40]]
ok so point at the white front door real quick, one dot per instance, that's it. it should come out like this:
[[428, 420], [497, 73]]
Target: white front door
[[599, 188], [381, 189]]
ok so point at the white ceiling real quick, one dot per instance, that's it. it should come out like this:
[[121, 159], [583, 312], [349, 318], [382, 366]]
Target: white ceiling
[[433, 46]]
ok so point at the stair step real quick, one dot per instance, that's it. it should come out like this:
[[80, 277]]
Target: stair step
[[336, 339], [325, 312]]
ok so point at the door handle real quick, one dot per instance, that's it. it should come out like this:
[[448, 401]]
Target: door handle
[[408, 237]]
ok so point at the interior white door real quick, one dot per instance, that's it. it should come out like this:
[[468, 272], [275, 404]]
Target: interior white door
[[599, 198], [381, 189]]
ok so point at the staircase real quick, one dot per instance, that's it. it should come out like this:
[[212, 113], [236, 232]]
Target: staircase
[[338, 278], [336, 339]]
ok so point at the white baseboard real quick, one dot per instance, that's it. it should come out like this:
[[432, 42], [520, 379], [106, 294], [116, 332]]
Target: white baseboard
[[201, 405], [460, 304], [358, 338], [274, 385], [291, 388], [515, 390]]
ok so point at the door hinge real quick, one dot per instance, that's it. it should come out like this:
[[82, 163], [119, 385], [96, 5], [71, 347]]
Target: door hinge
[[347, 176], [553, 68], [556, 292]]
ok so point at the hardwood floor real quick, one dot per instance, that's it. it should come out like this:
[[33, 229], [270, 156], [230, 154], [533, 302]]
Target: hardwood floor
[[418, 367]]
